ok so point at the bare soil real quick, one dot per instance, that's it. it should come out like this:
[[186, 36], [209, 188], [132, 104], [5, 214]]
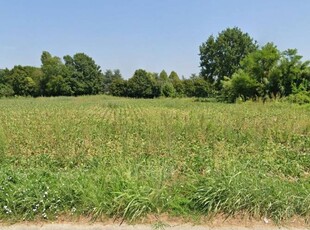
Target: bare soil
[[163, 222]]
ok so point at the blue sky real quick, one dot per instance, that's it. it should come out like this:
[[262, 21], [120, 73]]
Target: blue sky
[[148, 34]]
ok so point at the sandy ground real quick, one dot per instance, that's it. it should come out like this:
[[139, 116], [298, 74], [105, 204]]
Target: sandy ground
[[138, 227], [163, 222]]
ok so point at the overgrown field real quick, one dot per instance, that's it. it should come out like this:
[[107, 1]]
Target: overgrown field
[[101, 156]]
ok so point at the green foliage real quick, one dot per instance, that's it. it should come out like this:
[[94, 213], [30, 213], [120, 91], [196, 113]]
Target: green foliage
[[163, 76], [260, 63], [167, 89], [119, 88], [232, 66], [79, 75], [24, 80], [177, 83], [143, 85], [196, 87], [3, 72], [54, 73], [6, 90], [165, 84], [266, 73], [294, 72], [221, 56], [240, 85], [202, 88], [189, 88], [108, 77], [302, 97], [85, 75], [101, 156], [57, 85]]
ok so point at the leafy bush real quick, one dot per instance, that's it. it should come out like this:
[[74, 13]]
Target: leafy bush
[[6, 90], [240, 85], [168, 90], [302, 97]]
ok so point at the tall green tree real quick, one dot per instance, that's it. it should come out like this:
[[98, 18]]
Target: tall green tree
[[259, 64], [177, 83], [221, 56], [119, 88], [165, 84], [24, 80], [55, 80], [262, 65], [143, 85], [196, 86], [163, 76], [2, 75], [240, 85], [108, 77], [6, 89], [167, 89], [85, 75], [294, 73], [268, 73]]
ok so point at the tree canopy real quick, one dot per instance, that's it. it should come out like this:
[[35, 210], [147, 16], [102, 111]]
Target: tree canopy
[[232, 66], [221, 56], [142, 84]]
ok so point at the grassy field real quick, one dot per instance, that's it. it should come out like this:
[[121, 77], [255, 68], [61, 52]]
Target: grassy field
[[101, 156]]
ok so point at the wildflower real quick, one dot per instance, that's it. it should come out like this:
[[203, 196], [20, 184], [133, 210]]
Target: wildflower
[[7, 210]]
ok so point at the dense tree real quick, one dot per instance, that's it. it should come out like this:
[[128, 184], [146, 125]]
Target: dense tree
[[55, 80], [108, 77], [240, 85], [85, 74], [57, 86], [294, 73], [196, 86], [2, 75], [167, 89], [232, 66], [119, 88], [202, 88], [220, 57], [165, 85], [163, 76], [5, 89], [261, 65], [261, 62], [177, 83], [143, 85], [23, 80], [267, 73]]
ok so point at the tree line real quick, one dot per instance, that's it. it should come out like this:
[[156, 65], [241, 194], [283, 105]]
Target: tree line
[[233, 67], [237, 68], [80, 75]]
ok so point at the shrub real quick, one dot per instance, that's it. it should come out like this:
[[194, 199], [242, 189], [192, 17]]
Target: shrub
[[240, 85], [6, 90], [302, 97]]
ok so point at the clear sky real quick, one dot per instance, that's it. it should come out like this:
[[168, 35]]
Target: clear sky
[[148, 34]]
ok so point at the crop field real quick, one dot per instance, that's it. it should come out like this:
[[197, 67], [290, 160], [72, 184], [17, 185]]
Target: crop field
[[101, 156]]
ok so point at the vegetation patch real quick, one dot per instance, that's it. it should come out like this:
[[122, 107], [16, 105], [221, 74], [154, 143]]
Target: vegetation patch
[[101, 156]]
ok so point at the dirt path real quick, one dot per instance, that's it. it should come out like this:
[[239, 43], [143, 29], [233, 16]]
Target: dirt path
[[139, 227]]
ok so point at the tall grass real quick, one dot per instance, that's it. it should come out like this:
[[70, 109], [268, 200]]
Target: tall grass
[[101, 156]]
